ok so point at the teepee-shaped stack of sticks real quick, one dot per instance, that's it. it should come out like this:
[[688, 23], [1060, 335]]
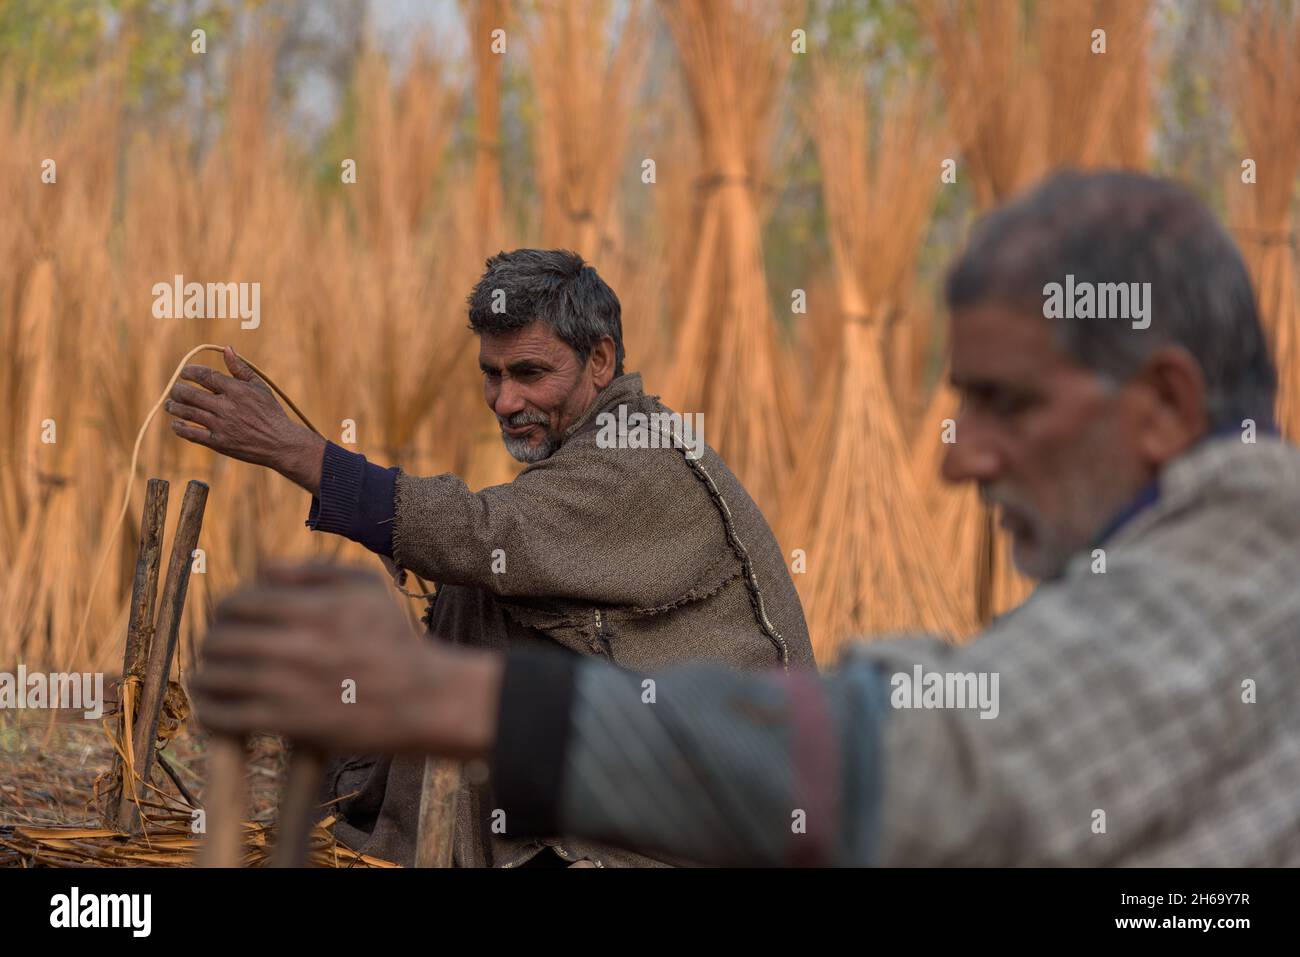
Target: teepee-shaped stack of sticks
[[853, 503], [1266, 90], [729, 361]]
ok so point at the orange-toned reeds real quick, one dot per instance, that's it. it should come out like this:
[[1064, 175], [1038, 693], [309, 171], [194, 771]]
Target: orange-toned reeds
[[873, 563], [730, 363], [362, 316], [1265, 86]]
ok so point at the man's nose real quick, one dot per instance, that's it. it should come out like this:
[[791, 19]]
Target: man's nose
[[508, 400], [971, 456]]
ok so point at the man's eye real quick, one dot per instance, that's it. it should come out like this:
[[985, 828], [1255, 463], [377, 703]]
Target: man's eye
[[997, 402], [1011, 403]]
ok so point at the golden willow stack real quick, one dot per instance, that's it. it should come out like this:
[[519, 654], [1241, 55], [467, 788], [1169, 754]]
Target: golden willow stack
[[853, 498], [1265, 91]]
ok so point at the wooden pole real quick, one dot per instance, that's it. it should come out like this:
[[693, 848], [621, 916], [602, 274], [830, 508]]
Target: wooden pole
[[223, 802], [438, 793], [168, 629], [298, 808], [144, 588], [139, 632]]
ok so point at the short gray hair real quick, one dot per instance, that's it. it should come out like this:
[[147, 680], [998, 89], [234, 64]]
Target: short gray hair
[[1115, 227], [554, 286]]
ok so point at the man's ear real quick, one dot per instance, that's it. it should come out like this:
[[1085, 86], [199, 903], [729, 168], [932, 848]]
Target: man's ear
[[1173, 415], [602, 361]]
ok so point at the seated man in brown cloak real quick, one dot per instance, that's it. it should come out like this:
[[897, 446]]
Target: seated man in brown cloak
[[645, 553]]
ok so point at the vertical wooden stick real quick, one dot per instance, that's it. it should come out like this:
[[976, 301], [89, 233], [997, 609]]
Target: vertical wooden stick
[[144, 588], [167, 632], [223, 803], [298, 808], [438, 792], [139, 632]]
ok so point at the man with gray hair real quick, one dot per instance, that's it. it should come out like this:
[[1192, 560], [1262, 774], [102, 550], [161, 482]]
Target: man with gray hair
[[645, 556], [1149, 688]]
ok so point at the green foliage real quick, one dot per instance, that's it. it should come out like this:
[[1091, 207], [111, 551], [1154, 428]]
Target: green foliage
[[50, 45], [55, 46]]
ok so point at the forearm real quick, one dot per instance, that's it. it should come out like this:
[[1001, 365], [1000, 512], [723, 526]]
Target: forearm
[[300, 460], [702, 763]]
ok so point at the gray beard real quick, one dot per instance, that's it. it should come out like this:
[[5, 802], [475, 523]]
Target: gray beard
[[521, 451], [1098, 490], [519, 448]]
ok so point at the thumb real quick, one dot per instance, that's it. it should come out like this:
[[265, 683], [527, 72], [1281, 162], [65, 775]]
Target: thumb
[[237, 366]]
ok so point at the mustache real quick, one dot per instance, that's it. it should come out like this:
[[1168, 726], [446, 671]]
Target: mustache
[[994, 497], [520, 419]]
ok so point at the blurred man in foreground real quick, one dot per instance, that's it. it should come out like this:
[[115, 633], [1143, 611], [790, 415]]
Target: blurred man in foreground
[[1142, 707]]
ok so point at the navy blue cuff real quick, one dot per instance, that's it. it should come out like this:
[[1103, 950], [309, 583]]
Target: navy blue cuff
[[533, 718], [356, 500]]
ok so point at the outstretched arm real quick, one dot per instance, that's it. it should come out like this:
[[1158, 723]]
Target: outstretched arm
[[699, 763]]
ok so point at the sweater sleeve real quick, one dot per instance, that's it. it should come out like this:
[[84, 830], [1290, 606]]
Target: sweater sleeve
[[356, 500], [698, 763], [597, 526]]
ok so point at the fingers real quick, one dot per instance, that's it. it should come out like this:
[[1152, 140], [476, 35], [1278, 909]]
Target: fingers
[[260, 679], [305, 600], [234, 716], [238, 367], [287, 592], [235, 677], [196, 435], [199, 398], [210, 379], [274, 605], [251, 677], [281, 651], [191, 414], [256, 646]]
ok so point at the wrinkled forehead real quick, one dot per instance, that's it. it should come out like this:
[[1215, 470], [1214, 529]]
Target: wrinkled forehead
[[1001, 344], [535, 342]]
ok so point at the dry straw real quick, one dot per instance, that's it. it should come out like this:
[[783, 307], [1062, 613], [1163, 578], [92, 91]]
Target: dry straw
[[665, 237], [853, 503], [170, 843], [1098, 105], [361, 319], [481, 460], [584, 98], [53, 291], [1265, 87], [484, 18], [587, 68], [729, 362]]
